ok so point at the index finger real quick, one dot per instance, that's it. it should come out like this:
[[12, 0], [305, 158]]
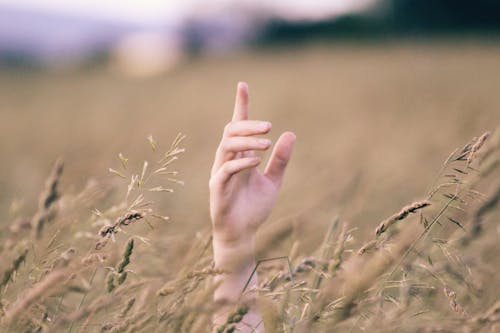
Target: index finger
[[241, 104]]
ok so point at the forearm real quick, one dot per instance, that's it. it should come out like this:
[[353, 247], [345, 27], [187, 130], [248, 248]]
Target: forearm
[[237, 260]]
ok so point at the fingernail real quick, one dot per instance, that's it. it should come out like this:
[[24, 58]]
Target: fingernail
[[266, 125]]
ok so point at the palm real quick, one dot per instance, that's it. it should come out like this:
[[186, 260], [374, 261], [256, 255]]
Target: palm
[[250, 198]]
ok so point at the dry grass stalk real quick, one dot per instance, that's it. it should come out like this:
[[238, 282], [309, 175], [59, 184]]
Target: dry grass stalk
[[233, 318], [477, 220], [9, 273], [120, 268], [403, 213], [63, 259], [373, 244], [109, 230], [359, 277], [124, 326], [92, 258], [305, 265], [326, 250], [47, 199], [271, 314], [126, 256], [338, 252], [51, 193], [476, 147], [452, 297], [119, 318], [50, 284], [110, 282], [204, 273]]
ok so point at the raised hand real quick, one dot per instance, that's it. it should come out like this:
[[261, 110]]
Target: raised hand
[[241, 199], [242, 196]]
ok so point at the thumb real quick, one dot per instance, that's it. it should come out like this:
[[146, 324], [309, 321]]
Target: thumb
[[280, 156]]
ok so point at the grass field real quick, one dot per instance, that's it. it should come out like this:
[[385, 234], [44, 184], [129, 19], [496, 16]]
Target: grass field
[[374, 125]]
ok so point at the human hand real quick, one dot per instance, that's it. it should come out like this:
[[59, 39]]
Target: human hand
[[241, 199], [242, 196]]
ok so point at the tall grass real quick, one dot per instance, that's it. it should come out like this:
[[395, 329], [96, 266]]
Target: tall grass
[[426, 268]]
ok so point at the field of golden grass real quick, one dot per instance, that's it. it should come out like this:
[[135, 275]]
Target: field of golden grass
[[374, 125]]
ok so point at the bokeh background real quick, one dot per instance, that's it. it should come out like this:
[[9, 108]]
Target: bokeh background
[[379, 92]]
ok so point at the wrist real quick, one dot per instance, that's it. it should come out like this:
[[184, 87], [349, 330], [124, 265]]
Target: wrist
[[237, 260], [230, 241], [233, 254]]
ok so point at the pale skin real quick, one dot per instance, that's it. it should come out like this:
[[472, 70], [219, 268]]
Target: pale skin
[[241, 199]]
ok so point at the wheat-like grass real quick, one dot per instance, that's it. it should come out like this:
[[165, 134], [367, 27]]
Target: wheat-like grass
[[105, 273]]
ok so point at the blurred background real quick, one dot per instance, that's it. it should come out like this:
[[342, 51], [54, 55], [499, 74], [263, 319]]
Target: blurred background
[[379, 92]]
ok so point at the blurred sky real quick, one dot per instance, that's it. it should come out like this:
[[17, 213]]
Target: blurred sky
[[158, 12], [73, 31]]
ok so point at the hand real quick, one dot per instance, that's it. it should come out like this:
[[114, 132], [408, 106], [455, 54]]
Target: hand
[[241, 199], [241, 196]]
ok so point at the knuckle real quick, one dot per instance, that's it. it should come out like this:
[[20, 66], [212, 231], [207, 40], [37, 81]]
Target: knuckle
[[228, 129], [224, 144], [226, 167]]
